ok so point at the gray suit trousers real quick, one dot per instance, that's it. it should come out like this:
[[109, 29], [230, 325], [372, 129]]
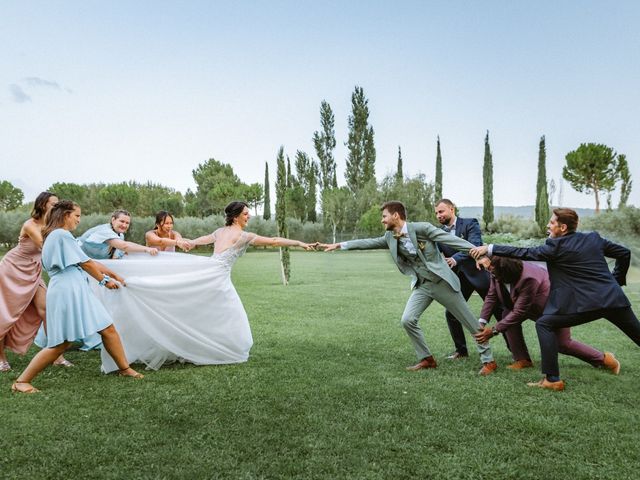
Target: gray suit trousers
[[453, 301]]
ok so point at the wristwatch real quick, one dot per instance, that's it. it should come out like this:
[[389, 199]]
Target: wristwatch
[[494, 331]]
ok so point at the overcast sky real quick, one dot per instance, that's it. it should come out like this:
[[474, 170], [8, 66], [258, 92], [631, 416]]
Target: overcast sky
[[108, 91]]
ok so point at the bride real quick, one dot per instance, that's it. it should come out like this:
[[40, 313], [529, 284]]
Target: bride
[[184, 307]]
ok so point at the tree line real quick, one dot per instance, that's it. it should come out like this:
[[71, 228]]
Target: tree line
[[310, 191]]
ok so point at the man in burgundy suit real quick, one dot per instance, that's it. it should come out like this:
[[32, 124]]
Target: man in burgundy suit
[[582, 290], [522, 288]]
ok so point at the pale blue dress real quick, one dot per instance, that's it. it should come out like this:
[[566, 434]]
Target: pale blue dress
[[73, 311], [94, 242]]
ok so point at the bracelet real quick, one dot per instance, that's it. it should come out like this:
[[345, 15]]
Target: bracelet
[[105, 279]]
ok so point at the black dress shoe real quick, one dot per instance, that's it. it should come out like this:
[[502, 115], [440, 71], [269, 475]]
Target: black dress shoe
[[457, 356]]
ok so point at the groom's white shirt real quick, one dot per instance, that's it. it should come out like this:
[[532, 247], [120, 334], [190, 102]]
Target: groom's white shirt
[[406, 241]]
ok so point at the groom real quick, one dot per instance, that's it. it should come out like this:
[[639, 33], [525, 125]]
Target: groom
[[414, 249]]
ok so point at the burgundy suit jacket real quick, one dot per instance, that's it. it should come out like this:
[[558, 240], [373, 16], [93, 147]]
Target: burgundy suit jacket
[[528, 296]]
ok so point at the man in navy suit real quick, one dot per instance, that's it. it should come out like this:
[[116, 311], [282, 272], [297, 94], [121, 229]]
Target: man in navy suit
[[471, 278], [583, 289]]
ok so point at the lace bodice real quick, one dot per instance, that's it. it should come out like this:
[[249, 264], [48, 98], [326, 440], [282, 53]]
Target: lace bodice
[[229, 256]]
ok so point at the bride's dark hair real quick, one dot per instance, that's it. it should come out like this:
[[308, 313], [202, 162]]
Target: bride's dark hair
[[233, 210]]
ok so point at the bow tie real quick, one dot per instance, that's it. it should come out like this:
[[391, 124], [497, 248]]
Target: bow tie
[[398, 236], [448, 228]]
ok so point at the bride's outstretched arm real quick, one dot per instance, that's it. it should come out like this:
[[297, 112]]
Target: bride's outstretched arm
[[281, 242], [204, 240]]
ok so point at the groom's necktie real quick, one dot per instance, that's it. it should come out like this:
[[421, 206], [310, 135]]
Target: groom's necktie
[[398, 236]]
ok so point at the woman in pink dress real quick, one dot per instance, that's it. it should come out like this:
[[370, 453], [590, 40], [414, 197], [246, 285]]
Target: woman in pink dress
[[22, 290], [163, 236]]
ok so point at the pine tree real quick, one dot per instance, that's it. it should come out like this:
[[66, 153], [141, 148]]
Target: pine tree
[[542, 195], [267, 194], [487, 182], [438, 184], [360, 168], [324, 143], [281, 214], [399, 174]]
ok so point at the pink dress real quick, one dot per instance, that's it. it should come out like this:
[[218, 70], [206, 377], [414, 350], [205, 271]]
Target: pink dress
[[19, 281]]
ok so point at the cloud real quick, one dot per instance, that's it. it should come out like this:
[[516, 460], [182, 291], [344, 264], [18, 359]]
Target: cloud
[[22, 95], [41, 82], [19, 95]]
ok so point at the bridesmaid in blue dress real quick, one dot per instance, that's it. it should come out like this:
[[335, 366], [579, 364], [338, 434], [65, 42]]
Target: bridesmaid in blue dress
[[100, 243], [73, 311], [107, 241]]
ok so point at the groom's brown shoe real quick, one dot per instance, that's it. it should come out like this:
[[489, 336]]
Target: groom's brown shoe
[[427, 362], [488, 368]]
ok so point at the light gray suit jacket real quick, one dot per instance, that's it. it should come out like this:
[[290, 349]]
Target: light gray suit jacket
[[429, 262]]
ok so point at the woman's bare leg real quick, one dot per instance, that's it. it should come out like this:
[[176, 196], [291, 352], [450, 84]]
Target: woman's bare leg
[[40, 302], [113, 345], [43, 358]]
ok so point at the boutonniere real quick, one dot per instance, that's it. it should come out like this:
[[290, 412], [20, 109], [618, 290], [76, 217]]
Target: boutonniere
[[421, 245]]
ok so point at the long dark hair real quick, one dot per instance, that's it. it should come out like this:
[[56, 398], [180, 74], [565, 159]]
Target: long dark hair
[[57, 215], [161, 217], [506, 270], [233, 211], [40, 205]]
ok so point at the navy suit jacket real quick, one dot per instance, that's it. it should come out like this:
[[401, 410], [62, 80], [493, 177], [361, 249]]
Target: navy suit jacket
[[469, 230], [580, 277]]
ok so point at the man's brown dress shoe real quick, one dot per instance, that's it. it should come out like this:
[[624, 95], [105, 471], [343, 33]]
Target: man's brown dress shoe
[[488, 368], [520, 364], [611, 363], [457, 356], [544, 383], [428, 362]]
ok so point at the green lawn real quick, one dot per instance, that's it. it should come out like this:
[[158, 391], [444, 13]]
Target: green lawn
[[325, 395]]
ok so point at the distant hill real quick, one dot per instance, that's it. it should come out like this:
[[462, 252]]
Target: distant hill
[[526, 211]]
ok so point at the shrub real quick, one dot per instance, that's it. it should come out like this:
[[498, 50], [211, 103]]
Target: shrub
[[519, 226], [620, 226]]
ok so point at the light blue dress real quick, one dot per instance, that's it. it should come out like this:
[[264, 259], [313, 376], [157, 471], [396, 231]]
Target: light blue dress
[[94, 242], [73, 311]]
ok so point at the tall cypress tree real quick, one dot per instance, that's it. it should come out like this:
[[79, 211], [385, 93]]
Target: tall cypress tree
[[487, 183], [625, 177], [324, 143], [267, 193], [360, 168], [281, 214], [399, 173], [542, 194], [311, 187], [438, 185]]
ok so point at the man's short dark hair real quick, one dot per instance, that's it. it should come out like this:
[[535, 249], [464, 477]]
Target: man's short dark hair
[[568, 217], [446, 201], [395, 207]]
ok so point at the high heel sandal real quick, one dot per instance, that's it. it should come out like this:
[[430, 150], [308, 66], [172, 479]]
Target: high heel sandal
[[121, 373], [31, 389], [4, 366]]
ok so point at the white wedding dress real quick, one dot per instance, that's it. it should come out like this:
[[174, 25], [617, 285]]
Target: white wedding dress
[[178, 307]]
